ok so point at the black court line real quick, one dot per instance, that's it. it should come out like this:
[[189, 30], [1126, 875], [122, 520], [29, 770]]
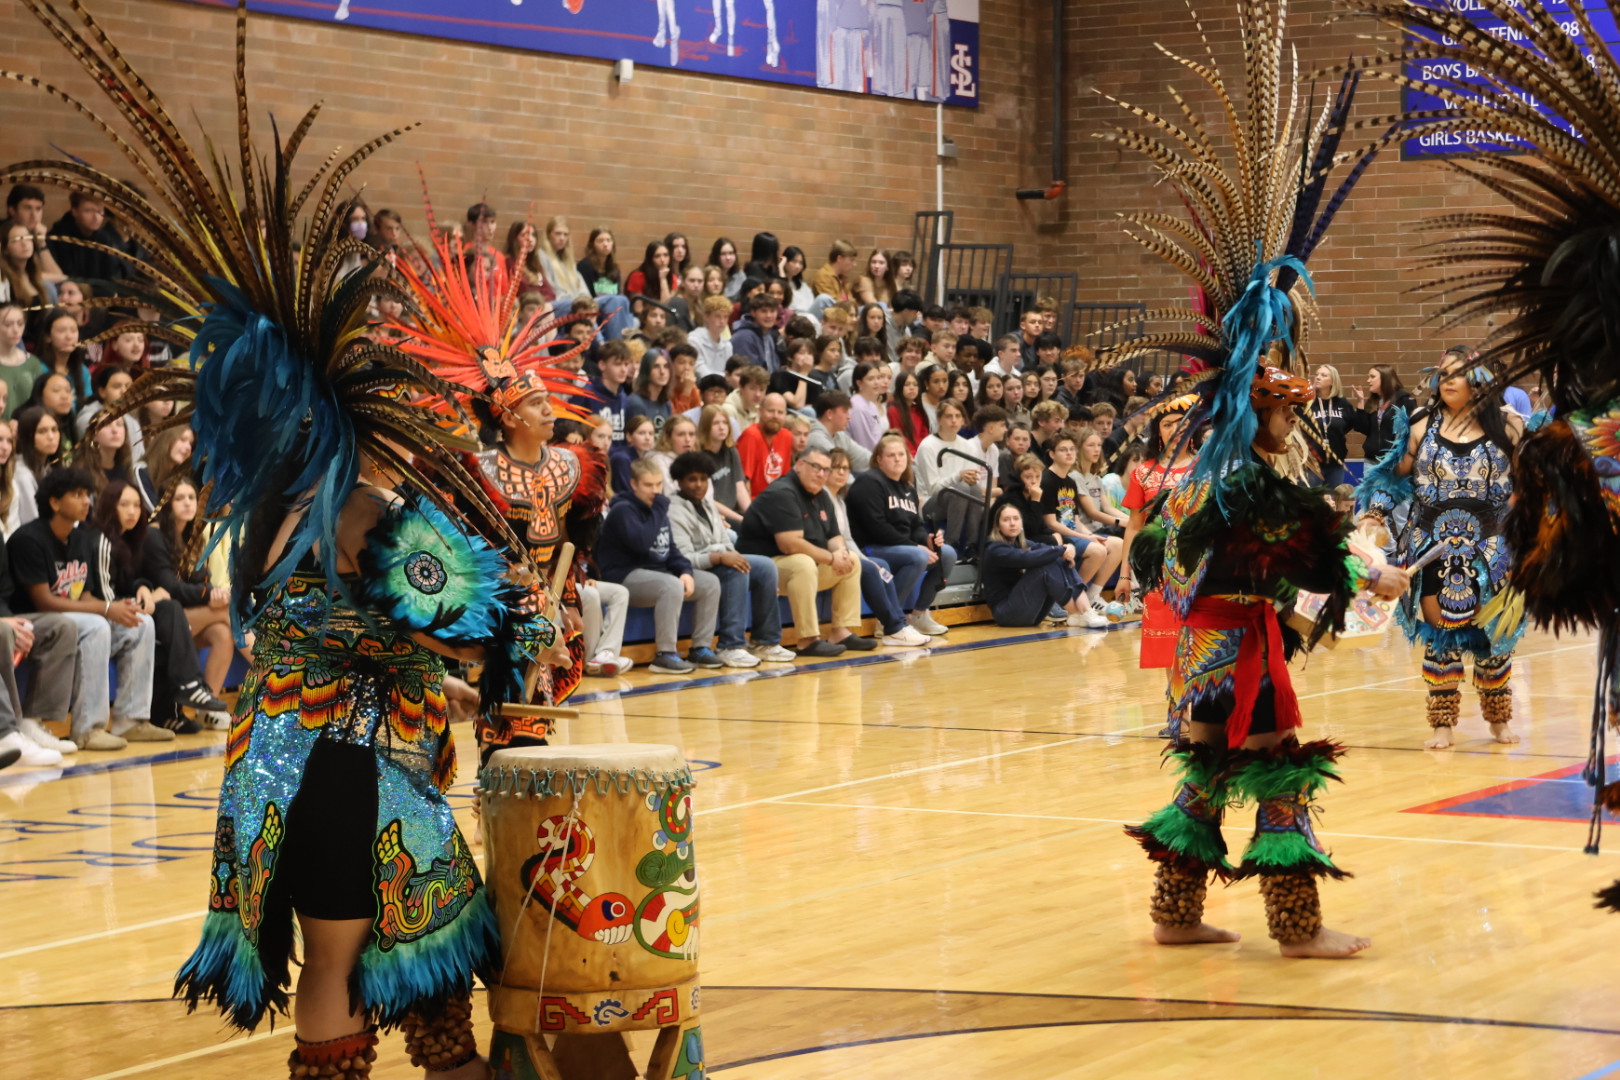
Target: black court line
[[196, 753]]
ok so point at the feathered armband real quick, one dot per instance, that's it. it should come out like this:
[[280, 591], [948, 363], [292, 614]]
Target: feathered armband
[[429, 575]]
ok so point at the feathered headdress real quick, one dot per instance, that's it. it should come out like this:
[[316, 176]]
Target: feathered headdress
[[1253, 216], [285, 393], [465, 329]]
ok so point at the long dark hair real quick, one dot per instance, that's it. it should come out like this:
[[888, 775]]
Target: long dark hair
[[28, 421], [610, 265], [907, 425], [678, 270], [1387, 381], [762, 257], [714, 257], [77, 360], [126, 546], [654, 281], [790, 253], [184, 540]]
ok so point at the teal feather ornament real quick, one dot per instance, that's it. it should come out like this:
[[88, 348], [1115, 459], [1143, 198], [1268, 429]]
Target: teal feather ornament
[[430, 576], [1382, 486]]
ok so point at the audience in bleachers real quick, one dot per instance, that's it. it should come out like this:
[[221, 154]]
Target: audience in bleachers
[[769, 430]]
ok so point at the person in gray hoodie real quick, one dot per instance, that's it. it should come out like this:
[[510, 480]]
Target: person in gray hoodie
[[747, 582], [637, 549], [830, 429]]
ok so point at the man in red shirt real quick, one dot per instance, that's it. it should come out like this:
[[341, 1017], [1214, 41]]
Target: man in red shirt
[[766, 447]]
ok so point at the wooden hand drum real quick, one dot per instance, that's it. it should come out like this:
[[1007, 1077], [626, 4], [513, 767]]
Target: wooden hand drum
[[590, 862]]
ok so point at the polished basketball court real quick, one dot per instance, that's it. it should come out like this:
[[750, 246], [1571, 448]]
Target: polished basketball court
[[912, 866]]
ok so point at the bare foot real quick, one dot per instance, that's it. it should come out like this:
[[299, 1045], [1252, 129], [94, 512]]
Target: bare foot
[[1202, 934], [1502, 733], [1441, 740], [1327, 945]]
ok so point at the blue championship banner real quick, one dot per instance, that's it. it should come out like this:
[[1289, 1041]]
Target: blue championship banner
[[1459, 78], [920, 50]]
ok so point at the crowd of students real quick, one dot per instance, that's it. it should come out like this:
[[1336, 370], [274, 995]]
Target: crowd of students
[[768, 430]]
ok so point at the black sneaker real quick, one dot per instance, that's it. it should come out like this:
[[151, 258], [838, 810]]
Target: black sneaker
[[821, 648], [180, 724], [857, 643], [197, 695]]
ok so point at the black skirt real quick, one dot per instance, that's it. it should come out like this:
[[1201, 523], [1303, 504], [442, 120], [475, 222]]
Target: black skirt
[[328, 862]]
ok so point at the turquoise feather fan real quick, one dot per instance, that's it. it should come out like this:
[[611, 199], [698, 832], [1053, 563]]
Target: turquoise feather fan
[[429, 576]]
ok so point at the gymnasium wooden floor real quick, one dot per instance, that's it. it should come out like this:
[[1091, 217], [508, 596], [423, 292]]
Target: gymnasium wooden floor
[[912, 867]]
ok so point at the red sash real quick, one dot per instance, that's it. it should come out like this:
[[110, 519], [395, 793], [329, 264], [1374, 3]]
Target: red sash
[[1258, 618]]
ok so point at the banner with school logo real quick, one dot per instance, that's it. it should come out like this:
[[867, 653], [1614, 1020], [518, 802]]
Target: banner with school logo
[[920, 50]]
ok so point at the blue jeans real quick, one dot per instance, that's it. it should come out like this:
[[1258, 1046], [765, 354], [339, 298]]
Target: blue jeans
[[915, 581], [879, 592], [742, 593]]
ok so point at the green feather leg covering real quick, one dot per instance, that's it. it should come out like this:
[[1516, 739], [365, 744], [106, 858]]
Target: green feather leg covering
[[1283, 782], [1186, 833], [1147, 555]]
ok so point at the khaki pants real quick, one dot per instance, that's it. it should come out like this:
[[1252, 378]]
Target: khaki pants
[[799, 578]]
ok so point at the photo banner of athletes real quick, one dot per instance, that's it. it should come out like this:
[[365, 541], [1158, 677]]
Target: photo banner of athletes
[[922, 50]]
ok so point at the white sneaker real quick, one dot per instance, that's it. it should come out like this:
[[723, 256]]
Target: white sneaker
[[625, 664], [214, 720], [604, 664], [773, 654], [923, 622], [907, 637], [29, 753], [738, 658], [39, 736], [1089, 618]]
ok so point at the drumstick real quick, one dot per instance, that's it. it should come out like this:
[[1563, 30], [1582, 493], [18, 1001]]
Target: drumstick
[[559, 577], [1427, 557]]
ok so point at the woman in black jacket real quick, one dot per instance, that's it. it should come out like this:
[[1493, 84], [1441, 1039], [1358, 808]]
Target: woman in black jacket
[[207, 606], [1332, 413], [1022, 581], [1376, 405], [177, 677], [886, 517]]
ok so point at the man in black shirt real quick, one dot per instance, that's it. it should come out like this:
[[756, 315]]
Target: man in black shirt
[[60, 565], [795, 523]]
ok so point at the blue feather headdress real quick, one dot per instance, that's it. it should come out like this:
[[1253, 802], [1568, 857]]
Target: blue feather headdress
[[1255, 211]]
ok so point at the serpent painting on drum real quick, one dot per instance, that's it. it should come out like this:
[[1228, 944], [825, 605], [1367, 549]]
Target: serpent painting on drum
[[665, 922]]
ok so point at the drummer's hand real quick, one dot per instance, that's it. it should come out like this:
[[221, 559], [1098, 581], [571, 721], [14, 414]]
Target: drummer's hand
[[688, 586], [1393, 581], [558, 655], [572, 622]]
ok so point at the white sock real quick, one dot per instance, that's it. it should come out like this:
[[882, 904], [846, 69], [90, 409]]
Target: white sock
[[1093, 593]]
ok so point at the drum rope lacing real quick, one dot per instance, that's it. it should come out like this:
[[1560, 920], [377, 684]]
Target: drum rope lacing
[[569, 823], [520, 782]]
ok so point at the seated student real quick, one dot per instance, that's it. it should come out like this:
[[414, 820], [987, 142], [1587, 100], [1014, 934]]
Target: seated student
[[1024, 579], [1123, 465], [795, 523], [796, 380], [1103, 414], [914, 351], [747, 582], [178, 681], [684, 393], [904, 312], [1102, 513], [602, 608], [636, 549], [766, 447], [755, 338], [679, 436], [867, 352], [1072, 380], [638, 442], [868, 418], [1098, 557], [1049, 419], [608, 395], [936, 385], [712, 390], [1017, 442], [728, 487], [943, 346], [60, 565], [50, 642], [753, 384], [886, 516], [1012, 399], [180, 528], [878, 583], [934, 319], [1048, 350], [830, 429], [1008, 356], [1025, 493], [953, 472], [650, 392]]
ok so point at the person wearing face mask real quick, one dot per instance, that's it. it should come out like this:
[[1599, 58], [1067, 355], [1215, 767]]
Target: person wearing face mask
[[1453, 464]]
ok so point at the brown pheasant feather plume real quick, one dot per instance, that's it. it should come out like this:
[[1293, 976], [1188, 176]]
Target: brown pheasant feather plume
[[286, 392]]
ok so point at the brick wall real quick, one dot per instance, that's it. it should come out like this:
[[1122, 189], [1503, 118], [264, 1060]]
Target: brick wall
[[705, 155], [672, 150]]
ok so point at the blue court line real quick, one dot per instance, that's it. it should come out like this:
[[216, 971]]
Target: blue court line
[[1605, 1070], [9, 778]]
